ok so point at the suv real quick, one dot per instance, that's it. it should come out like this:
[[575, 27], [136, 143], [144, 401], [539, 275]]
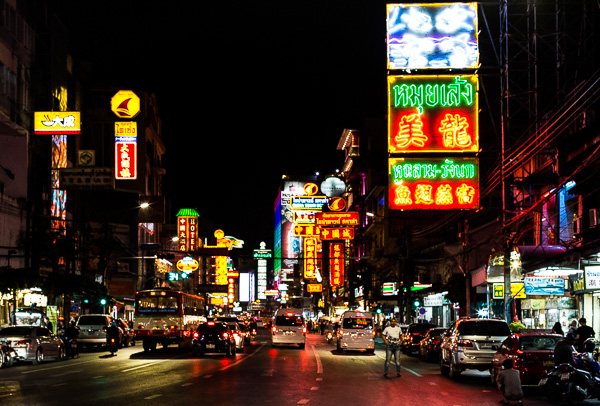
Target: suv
[[468, 345], [213, 337], [92, 329], [409, 342]]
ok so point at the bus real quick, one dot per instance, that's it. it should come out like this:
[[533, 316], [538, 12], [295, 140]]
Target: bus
[[164, 316]]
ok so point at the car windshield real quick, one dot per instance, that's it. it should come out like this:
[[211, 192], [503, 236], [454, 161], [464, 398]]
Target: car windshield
[[15, 331], [533, 343], [420, 328], [207, 328], [358, 322], [484, 328], [92, 320], [436, 332], [157, 304], [288, 320]]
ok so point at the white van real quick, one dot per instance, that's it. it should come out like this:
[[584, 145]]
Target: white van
[[288, 327], [356, 332]]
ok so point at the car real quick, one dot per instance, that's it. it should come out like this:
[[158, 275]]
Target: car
[[33, 343], [532, 354], [213, 337], [128, 337], [468, 345], [356, 332], [92, 329], [245, 332], [429, 347], [409, 342], [232, 322], [288, 328]]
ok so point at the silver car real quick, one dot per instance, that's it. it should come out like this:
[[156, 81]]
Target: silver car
[[92, 329], [468, 345], [33, 343], [232, 322]]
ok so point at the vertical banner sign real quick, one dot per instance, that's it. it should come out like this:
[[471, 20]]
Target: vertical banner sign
[[125, 150], [336, 263], [187, 230], [261, 279], [310, 257], [230, 292]]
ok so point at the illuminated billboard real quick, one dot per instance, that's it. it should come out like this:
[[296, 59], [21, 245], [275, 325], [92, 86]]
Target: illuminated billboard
[[310, 257], [433, 183], [126, 150], [57, 122], [336, 262], [432, 36], [187, 230], [433, 113]]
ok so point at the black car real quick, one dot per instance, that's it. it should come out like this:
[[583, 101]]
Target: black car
[[213, 337], [429, 347], [412, 337]]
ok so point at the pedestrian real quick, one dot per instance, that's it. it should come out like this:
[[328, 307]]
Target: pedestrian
[[322, 326], [584, 332], [391, 338], [572, 327], [509, 383], [557, 329], [309, 326]]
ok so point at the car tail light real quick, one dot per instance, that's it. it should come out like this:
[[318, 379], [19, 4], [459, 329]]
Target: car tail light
[[172, 327], [211, 323], [304, 330], [23, 343], [464, 343], [196, 335], [274, 329], [112, 340], [374, 333], [340, 332], [225, 335], [141, 326], [235, 333]]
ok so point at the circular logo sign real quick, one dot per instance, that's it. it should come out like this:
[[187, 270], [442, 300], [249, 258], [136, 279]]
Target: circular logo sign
[[337, 203], [187, 264], [311, 189]]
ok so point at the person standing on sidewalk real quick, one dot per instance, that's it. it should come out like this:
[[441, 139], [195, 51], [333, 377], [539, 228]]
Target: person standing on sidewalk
[[391, 338]]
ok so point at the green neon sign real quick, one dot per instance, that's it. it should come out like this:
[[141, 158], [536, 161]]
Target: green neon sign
[[457, 93], [446, 170]]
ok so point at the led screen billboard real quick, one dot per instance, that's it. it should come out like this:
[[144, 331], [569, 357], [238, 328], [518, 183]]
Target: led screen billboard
[[433, 113], [433, 183], [432, 36]]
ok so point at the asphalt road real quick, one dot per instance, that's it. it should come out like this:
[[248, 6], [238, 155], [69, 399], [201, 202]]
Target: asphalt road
[[262, 375]]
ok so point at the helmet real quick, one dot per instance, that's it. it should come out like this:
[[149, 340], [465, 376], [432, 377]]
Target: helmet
[[589, 345], [72, 323], [571, 336]]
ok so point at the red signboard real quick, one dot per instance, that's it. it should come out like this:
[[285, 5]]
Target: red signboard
[[341, 233], [314, 287], [433, 183], [336, 263], [346, 218], [125, 160], [433, 113], [310, 257]]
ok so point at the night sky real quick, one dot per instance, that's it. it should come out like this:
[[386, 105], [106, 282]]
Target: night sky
[[247, 91]]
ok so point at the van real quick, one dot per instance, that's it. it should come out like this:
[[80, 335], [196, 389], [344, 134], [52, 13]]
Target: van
[[356, 332], [288, 327], [92, 329]]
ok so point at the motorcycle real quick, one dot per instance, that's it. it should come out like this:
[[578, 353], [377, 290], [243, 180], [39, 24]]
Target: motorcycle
[[329, 336], [8, 355], [112, 344], [571, 383], [71, 349]]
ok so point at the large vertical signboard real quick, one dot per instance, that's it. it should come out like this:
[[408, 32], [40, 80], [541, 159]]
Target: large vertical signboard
[[187, 230], [336, 263], [433, 113], [433, 183], [432, 36], [126, 150], [310, 257]]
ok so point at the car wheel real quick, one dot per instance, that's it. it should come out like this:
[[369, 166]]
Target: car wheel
[[454, 371], [39, 357], [3, 360], [443, 367]]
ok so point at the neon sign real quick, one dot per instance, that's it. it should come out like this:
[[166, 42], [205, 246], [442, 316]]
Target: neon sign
[[433, 183], [336, 262], [344, 233], [310, 257], [432, 36], [433, 113], [187, 230]]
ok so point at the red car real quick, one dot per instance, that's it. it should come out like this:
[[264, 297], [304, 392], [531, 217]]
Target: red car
[[532, 354]]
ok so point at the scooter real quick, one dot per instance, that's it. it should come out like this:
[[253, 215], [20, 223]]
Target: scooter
[[8, 355], [112, 344], [573, 384], [329, 336]]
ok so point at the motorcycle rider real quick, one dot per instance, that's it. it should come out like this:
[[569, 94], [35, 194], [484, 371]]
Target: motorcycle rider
[[563, 351], [71, 333], [113, 331]]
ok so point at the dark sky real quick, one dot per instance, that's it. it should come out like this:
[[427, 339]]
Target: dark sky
[[247, 90]]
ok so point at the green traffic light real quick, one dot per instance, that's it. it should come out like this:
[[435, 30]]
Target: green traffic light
[[417, 303], [103, 301], [85, 301]]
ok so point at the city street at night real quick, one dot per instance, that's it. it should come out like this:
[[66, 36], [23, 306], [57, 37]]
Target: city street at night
[[262, 375]]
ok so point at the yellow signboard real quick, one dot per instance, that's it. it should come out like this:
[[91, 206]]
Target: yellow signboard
[[125, 104], [57, 122], [517, 290]]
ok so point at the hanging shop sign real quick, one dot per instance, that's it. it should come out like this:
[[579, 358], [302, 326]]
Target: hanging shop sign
[[389, 289], [310, 257], [57, 122], [126, 150], [592, 277], [336, 263], [544, 286], [187, 264], [337, 203], [432, 36], [343, 233], [347, 218], [433, 183], [433, 113], [314, 287], [125, 104], [304, 217], [516, 290], [308, 202], [306, 230], [187, 230]]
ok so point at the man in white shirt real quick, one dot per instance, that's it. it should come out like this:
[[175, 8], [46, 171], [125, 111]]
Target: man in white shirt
[[391, 337]]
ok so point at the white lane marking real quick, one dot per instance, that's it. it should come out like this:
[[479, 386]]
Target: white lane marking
[[67, 373], [412, 372], [314, 388], [60, 384], [242, 359], [65, 365], [140, 366], [303, 402], [153, 396], [319, 379], [318, 359]]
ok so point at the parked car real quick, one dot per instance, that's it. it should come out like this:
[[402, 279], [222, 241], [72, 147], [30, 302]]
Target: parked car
[[92, 329], [429, 347], [128, 337], [213, 337], [532, 354], [468, 345], [409, 342], [232, 322], [33, 343]]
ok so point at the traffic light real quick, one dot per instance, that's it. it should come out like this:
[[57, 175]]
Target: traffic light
[[379, 310], [417, 303], [102, 302]]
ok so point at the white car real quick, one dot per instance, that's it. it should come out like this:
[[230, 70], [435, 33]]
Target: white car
[[232, 322]]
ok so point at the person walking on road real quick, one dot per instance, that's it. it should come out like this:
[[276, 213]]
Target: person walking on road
[[391, 338]]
